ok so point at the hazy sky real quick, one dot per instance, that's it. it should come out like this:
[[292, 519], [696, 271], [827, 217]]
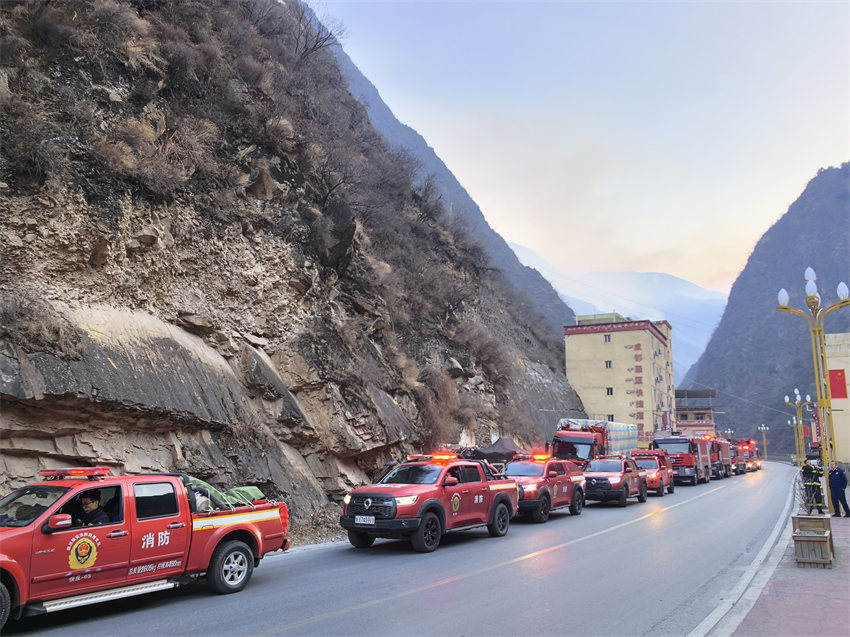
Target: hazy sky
[[647, 136]]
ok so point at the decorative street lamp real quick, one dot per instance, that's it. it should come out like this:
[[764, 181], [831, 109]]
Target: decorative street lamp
[[824, 398], [764, 429], [729, 433], [799, 441]]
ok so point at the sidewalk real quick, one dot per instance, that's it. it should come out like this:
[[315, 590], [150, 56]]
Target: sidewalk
[[804, 601]]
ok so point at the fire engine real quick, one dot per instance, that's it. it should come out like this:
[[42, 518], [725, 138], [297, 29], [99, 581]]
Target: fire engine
[[691, 461], [426, 497], [155, 531], [547, 484]]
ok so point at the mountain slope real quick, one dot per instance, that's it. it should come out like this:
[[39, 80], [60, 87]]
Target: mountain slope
[[758, 355], [692, 310], [544, 299]]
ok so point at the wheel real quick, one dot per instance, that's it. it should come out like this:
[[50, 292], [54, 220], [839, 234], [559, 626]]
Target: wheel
[[359, 539], [624, 495], [578, 502], [5, 605], [501, 521], [642, 492], [427, 537], [231, 567], [660, 490], [671, 487], [541, 513]]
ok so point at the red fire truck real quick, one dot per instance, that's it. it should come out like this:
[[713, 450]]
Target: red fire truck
[[721, 460], [546, 484], [751, 455], [691, 461], [151, 532]]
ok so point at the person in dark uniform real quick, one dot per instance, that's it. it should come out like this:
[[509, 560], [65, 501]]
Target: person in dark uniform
[[811, 480], [93, 514], [837, 484]]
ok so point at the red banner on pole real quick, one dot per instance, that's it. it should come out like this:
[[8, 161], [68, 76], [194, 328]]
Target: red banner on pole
[[837, 383], [806, 430]]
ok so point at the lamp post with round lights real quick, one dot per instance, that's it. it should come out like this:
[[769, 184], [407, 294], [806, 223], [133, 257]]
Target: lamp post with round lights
[[764, 429], [824, 398], [799, 442], [729, 433]]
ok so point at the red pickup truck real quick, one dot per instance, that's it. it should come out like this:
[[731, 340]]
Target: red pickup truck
[[82, 536], [426, 497], [658, 467], [546, 484]]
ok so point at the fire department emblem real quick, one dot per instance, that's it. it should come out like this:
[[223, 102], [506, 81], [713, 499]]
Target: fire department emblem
[[455, 503], [554, 489], [83, 554]]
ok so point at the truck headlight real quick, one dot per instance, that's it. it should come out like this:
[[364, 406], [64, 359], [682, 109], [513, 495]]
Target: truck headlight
[[347, 498], [405, 500]]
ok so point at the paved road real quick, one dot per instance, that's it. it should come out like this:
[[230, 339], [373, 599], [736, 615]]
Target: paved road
[[658, 568]]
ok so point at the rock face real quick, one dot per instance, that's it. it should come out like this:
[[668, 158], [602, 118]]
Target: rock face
[[225, 271]]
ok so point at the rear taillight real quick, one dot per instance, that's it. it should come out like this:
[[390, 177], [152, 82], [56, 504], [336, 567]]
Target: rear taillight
[[284, 516]]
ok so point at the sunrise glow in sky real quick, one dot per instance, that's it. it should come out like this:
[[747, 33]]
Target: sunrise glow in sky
[[646, 136]]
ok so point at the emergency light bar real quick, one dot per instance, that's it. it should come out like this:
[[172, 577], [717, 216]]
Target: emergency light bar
[[540, 457], [444, 457], [75, 472]]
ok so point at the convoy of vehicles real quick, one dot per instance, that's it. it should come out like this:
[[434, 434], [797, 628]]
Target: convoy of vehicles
[[582, 440], [158, 531], [658, 467], [615, 478], [690, 456], [428, 496], [547, 484], [155, 531]]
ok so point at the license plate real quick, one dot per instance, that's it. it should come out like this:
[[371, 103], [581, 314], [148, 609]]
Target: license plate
[[364, 519]]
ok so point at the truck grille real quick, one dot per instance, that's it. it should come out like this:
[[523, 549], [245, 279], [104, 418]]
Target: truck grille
[[598, 483], [380, 506]]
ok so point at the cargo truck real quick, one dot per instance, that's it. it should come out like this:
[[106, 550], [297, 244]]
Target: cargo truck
[[690, 456], [582, 440]]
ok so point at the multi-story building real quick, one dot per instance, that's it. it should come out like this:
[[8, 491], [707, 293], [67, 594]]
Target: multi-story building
[[622, 370], [694, 412]]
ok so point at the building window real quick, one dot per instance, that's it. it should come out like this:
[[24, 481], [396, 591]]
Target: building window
[[608, 364], [611, 417], [609, 391], [607, 338]]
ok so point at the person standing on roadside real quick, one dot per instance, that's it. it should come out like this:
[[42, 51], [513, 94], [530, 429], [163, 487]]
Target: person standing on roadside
[[811, 480], [837, 484]]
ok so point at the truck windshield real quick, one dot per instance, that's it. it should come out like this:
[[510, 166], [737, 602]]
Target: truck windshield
[[24, 505], [571, 449], [647, 464], [604, 465], [413, 474], [524, 469], [675, 447]]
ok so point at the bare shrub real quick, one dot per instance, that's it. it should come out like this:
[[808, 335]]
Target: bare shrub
[[494, 357], [12, 49], [115, 22], [53, 27], [35, 326]]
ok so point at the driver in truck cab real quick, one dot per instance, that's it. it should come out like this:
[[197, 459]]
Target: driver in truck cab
[[92, 513]]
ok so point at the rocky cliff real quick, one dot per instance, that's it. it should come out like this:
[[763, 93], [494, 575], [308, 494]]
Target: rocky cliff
[[212, 263]]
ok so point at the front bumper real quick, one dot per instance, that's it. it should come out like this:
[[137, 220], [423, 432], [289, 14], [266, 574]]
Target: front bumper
[[603, 494], [396, 527]]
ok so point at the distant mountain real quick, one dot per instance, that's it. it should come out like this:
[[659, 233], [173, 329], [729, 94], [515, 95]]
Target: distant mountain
[[539, 292], [691, 310], [757, 355]]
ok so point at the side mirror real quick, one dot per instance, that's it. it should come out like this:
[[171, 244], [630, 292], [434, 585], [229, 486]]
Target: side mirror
[[450, 481], [57, 522], [552, 474]]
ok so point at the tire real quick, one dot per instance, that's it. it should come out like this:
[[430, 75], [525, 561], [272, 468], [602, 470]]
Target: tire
[[642, 493], [660, 490], [501, 521], [578, 502], [541, 512], [5, 605], [671, 487], [427, 537], [359, 539], [624, 495], [231, 567]]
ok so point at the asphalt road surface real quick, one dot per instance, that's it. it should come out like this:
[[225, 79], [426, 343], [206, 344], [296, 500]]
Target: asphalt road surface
[[657, 568]]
